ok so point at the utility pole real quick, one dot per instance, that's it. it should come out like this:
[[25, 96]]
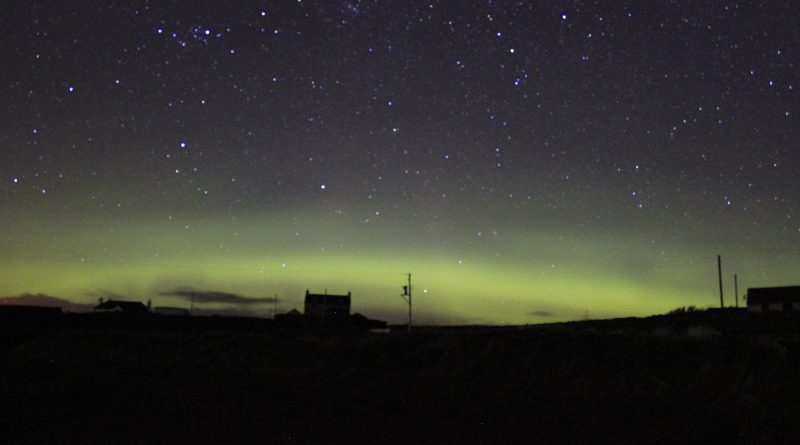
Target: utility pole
[[407, 296], [324, 305], [736, 288], [719, 272]]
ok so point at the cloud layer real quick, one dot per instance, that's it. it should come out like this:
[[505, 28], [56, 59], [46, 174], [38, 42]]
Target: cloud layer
[[206, 296]]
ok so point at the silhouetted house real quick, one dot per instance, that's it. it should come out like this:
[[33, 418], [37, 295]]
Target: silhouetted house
[[125, 307], [773, 299], [327, 308]]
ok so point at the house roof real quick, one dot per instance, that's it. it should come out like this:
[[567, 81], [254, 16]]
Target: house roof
[[358, 317], [125, 306], [766, 295]]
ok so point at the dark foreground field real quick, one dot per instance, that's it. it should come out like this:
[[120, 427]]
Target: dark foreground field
[[690, 378]]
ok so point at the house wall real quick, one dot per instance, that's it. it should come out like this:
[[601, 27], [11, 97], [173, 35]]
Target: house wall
[[329, 312]]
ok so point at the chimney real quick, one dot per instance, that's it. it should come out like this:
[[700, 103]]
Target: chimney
[[149, 304], [100, 300]]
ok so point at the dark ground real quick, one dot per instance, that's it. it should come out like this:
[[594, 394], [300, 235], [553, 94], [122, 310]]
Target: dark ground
[[693, 377]]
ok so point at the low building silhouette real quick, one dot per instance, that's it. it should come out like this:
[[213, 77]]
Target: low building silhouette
[[171, 311], [327, 308], [293, 317], [119, 306], [773, 299], [361, 321], [292, 313]]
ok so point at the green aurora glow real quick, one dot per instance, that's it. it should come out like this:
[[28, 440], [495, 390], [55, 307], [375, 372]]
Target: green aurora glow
[[520, 276], [526, 162]]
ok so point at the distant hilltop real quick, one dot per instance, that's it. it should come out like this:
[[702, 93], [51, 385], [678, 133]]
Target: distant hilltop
[[42, 300]]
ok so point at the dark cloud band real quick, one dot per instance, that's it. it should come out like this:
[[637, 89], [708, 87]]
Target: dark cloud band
[[205, 296]]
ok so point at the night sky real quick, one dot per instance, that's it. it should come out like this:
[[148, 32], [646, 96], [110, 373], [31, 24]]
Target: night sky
[[526, 161]]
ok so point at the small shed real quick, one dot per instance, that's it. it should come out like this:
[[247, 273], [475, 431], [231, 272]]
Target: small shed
[[773, 299]]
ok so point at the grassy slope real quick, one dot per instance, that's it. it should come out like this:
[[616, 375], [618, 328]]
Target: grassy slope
[[623, 381]]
